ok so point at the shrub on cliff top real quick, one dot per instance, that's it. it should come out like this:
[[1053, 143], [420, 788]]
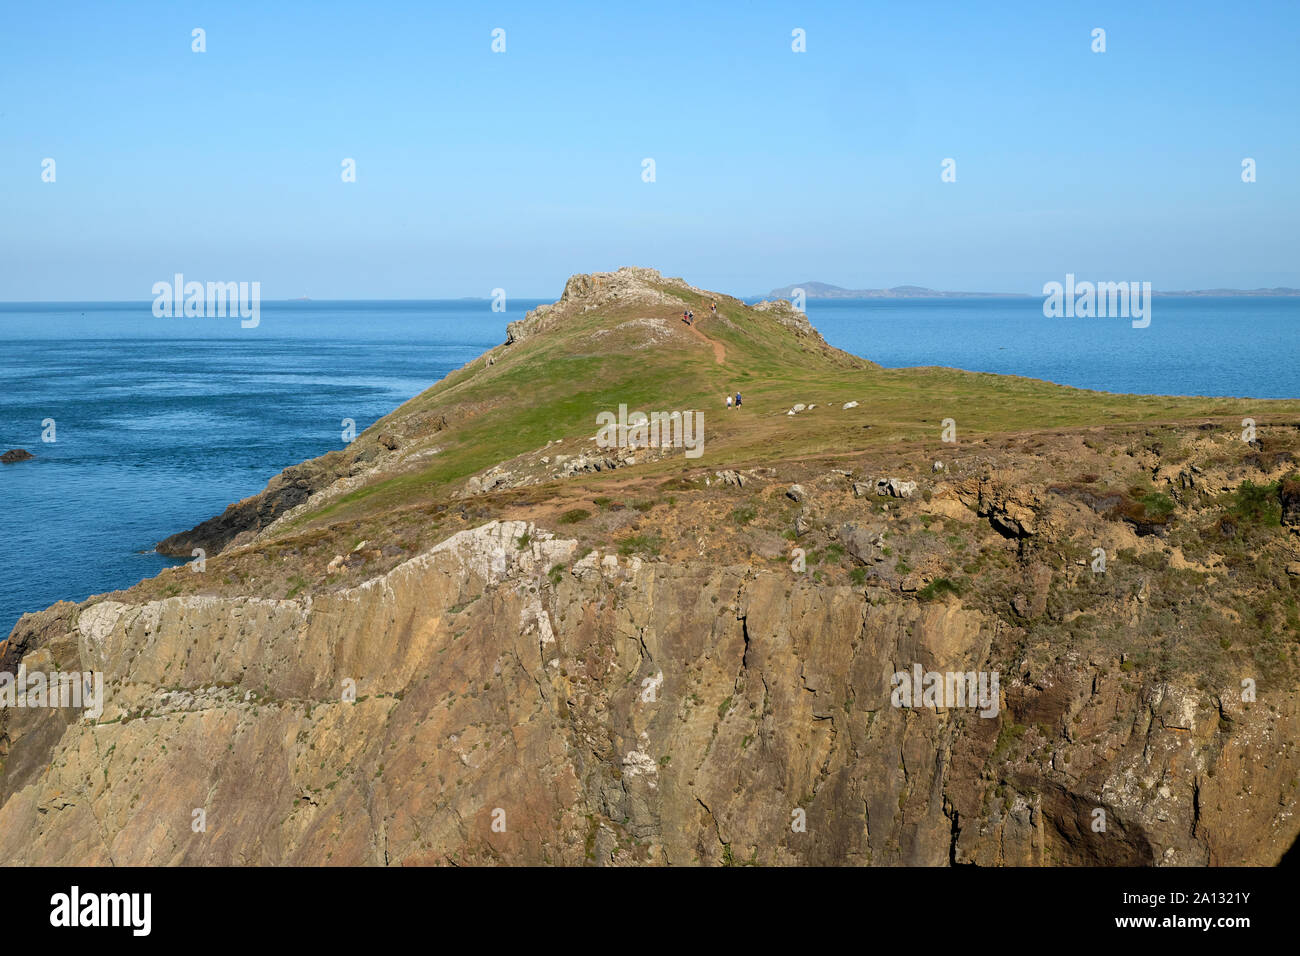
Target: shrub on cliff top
[[649, 543], [1257, 504], [937, 588]]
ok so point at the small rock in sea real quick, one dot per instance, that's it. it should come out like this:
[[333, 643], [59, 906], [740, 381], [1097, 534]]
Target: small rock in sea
[[15, 455]]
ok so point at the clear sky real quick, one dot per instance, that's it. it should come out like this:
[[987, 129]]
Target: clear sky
[[477, 170]]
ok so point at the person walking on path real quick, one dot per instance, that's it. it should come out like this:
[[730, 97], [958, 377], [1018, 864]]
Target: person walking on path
[[737, 399], [728, 401]]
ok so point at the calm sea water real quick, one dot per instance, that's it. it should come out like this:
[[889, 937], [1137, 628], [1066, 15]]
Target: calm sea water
[[1234, 346], [160, 423]]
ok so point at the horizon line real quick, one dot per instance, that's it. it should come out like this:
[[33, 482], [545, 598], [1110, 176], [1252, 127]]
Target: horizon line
[[938, 293]]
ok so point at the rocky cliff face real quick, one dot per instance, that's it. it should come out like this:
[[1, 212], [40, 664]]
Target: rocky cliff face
[[475, 635], [244, 519], [630, 285], [517, 703]]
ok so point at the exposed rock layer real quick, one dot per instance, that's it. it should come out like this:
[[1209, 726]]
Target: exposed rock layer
[[608, 710]]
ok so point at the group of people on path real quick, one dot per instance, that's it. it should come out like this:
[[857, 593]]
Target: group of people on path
[[689, 317]]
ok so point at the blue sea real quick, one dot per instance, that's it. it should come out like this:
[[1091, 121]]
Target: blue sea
[[161, 423], [1243, 346]]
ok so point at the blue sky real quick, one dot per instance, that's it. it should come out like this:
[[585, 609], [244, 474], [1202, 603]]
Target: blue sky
[[478, 170]]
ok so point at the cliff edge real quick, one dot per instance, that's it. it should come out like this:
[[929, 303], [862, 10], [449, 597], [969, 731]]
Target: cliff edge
[[483, 633]]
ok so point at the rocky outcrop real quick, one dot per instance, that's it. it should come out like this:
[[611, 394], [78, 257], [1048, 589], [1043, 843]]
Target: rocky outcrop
[[14, 455], [1289, 493], [895, 487], [790, 317], [501, 698], [584, 292], [243, 519], [864, 545], [1012, 508]]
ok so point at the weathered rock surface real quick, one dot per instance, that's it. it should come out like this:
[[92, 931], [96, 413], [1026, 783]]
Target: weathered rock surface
[[1289, 492], [895, 488], [794, 320], [1011, 508], [629, 284], [863, 544], [243, 519], [610, 710]]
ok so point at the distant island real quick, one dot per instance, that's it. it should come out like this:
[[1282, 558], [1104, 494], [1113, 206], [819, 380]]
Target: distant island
[[824, 290], [1279, 290]]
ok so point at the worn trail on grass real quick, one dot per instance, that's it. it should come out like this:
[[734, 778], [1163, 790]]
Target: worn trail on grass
[[719, 350]]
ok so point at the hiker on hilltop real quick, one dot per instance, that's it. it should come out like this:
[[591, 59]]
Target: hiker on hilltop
[[713, 307]]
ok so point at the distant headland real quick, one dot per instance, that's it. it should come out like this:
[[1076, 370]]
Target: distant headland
[[824, 290]]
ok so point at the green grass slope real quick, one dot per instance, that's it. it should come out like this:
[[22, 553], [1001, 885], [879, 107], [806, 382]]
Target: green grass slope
[[597, 354]]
